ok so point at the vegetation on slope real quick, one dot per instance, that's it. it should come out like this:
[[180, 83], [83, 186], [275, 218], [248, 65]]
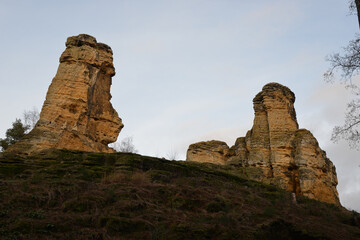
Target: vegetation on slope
[[78, 195]]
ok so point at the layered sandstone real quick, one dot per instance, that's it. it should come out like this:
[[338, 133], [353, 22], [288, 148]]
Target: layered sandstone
[[77, 113], [211, 151], [276, 151]]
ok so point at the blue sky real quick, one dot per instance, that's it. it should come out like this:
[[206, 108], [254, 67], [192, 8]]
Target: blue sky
[[187, 71]]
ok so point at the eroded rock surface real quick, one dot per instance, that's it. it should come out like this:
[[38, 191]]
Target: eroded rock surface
[[77, 113], [276, 151], [211, 151]]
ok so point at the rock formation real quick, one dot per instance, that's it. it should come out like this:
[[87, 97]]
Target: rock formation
[[212, 151], [275, 150], [77, 113]]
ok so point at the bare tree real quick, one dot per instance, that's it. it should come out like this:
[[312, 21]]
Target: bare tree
[[126, 146], [350, 130], [172, 155], [30, 118], [354, 6], [348, 64]]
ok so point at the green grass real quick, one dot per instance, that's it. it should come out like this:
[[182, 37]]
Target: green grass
[[76, 195]]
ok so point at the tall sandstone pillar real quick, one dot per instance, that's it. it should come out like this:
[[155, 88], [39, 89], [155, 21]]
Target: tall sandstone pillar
[[276, 151], [275, 120], [77, 113]]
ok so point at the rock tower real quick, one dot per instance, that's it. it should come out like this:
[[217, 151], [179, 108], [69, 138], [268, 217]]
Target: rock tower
[[275, 150], [77, 113]]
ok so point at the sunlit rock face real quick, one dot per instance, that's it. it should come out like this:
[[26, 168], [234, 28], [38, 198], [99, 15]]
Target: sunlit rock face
[[276, 151], [212, 151], [77, 113]]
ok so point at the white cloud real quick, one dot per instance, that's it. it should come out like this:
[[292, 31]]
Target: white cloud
[[320, 113]]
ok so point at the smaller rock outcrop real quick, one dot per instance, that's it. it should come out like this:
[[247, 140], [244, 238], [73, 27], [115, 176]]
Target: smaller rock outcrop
[[275, 150], [212, 151], [77, 113]]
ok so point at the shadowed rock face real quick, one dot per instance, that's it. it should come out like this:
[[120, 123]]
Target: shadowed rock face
[[276, 151], [77, 113]]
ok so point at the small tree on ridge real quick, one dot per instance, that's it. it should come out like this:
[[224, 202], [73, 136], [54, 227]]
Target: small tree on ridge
[[13, 134]]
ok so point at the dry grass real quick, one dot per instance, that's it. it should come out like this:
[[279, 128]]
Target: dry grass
[[74, 195]]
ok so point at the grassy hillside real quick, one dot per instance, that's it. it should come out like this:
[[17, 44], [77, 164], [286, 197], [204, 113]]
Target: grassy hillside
[[76, 195]]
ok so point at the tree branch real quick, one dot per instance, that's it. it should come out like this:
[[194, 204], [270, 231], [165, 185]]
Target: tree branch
[[357, 4]]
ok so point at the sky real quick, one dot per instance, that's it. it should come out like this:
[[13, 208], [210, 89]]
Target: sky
[[187, 71]]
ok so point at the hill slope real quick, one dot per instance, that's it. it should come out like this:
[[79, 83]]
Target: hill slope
[[78, 195]]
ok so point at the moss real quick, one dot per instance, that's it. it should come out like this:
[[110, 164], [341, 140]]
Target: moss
[[271, 188], [281, 229], [177, 202], [11, 169], [79, 205], [219, 204], [36, 178], [254, 173], [92, 158], [159, 232], [269, 211], [22, 226], [160, 175], [119, 226], [185, 204], [4, 213], [89, 174], [215, 207], [273, 195], [110, 195], [197, 231], [86, 221], [39, 214]]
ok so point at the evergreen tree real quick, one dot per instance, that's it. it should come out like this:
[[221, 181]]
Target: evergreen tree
[[13, 134]]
